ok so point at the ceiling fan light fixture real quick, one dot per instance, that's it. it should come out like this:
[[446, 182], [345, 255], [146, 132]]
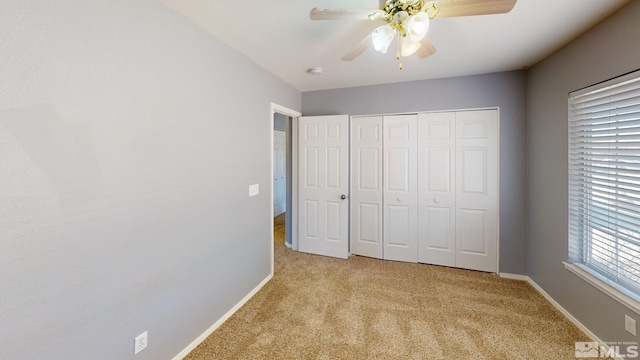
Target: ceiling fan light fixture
[[409, 47], [417, 26], [409, 19], [382, 37], [400, 17]]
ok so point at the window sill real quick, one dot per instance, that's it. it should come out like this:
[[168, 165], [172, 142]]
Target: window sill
[[601, 284]]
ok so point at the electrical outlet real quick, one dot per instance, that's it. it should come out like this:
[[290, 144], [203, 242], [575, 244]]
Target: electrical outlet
[[630, 325], [140, 343]]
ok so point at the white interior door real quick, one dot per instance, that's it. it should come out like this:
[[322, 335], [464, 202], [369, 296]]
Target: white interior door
[[366, 186], [400, 188], [279, 172], [323, 166], [477, 140], [436, 188]]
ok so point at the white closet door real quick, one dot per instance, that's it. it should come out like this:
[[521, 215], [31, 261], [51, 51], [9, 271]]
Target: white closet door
[[400, 188], [279, 172], [436, 189], [323, 172], [366, 186], [477, 190]]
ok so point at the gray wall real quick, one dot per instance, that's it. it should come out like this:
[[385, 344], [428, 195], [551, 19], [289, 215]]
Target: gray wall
[[128, 140], [608, 50], [279, 122], [503, 90]]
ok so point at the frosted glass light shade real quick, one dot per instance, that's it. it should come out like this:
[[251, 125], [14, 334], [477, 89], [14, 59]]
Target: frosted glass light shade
[[409, 47], [382, 37], [417, 26]]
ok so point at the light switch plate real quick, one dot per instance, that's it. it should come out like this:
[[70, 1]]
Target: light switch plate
[[254, 189]]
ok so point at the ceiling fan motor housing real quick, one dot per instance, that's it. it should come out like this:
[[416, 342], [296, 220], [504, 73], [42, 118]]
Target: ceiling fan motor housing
[[393, 7], [396, 11]]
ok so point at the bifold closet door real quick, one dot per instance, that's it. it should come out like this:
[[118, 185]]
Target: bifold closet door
[[439, 178], [436, 188], [384, 187], [400, 195], [477, 140], [366, 186]]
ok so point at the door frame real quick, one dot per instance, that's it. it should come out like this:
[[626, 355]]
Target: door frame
[[294, 115]]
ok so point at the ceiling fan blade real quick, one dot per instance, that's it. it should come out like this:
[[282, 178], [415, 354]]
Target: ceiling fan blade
[[451, 8], [341, 14], [358, 49], [427, 48]]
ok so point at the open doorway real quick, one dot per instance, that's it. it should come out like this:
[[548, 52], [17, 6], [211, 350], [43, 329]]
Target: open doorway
[[282, 179], [288, 206]]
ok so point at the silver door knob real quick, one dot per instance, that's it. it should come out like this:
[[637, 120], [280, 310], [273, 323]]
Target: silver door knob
[[343, 196], [435, 201]]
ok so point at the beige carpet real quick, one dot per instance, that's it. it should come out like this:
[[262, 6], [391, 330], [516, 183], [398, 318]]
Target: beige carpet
[[279, 229], [322, 308]]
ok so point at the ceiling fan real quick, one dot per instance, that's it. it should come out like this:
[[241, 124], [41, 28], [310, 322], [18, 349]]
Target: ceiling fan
[[409, 19]]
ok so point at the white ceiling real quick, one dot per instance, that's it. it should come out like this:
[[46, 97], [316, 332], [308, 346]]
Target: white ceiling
[[279, 36]]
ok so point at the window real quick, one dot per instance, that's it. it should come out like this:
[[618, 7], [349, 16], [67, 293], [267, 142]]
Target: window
[[604, 182]]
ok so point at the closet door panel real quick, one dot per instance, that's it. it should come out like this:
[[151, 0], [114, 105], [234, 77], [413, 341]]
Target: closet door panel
[[477, 146], [366, 186], [436, 189], [400, 188]]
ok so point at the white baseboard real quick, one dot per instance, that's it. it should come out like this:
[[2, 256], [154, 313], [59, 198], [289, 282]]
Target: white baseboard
[[287, 245], [220, 321], [515, 277], [564, 311]]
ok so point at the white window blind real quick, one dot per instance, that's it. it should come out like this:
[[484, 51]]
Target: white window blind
[[604, 180]]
